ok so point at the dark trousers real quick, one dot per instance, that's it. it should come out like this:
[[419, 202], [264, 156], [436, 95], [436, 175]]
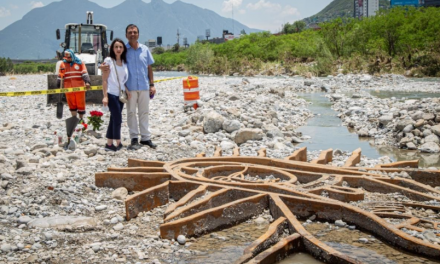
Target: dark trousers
[[114, 127]]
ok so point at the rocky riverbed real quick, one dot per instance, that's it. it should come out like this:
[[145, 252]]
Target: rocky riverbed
[[51, 211], [412, 124]]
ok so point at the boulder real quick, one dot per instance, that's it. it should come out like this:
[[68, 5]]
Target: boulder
[[231, 125], [428, 116], [120, 194], [417, 115], [430, 147], [436, 130], [411, 146], [404, 123], [432, 138], [419, 123], [386, 119], [225, 145], [212, 122], [337, 97], [246, 134]]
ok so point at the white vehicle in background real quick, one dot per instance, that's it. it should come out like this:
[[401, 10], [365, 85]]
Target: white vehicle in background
[[89, 42]]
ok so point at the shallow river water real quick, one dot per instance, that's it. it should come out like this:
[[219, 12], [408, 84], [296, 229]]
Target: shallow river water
[[326, 131]]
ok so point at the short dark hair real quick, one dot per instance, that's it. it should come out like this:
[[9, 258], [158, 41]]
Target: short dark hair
[[124, 53], [130, 26]]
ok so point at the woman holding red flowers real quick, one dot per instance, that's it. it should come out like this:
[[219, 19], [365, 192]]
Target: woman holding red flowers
[[113, 81]]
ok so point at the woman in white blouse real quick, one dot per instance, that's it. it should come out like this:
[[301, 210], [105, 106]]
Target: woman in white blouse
[[112, 81]]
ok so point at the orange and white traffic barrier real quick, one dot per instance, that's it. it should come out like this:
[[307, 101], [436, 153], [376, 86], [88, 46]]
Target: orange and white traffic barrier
[[191, 91]]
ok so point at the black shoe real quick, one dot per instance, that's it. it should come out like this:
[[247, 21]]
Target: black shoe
[[119, 147], [110, 148], [134, 144], [149, 143]]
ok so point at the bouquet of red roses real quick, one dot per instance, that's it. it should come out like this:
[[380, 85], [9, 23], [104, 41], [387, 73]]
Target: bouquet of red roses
[[95, 119]]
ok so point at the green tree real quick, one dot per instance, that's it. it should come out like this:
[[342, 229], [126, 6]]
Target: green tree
[[335, 35], [388, 25], [299, 25], [288, 28]]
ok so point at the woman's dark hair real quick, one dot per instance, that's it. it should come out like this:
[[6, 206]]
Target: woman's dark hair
[[124, 53]]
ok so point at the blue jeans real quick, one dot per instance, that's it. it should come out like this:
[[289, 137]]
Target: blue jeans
[[114, 127]]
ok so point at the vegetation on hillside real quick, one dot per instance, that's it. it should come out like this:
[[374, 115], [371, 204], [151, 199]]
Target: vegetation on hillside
[[7, 67], [339, 8], [399, 40]]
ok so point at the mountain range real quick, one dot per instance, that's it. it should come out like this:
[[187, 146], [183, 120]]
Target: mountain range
[[33, 36]]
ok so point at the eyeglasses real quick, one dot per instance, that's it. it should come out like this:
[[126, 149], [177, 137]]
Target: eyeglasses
[[132, 33]]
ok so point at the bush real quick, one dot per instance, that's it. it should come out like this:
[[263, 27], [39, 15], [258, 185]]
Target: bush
[[199, 58], [406, 36]]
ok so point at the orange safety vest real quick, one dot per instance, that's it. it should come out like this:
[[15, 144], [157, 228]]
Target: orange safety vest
[[72, 74]]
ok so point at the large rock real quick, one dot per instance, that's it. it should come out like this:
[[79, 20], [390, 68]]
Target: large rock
[[430, 147], [408, 128], [91, 151], [120, 194], [24, 219], [337, 97], [419, 123], [404, 123], [411, 146], [432, 138], [231, 125], [274, 132], [213, 122], [363, 132], [386, 119], [225, 145], [417, 115], [428, 116], [246, 134], [25, 171], [63, 222], [436, 130]]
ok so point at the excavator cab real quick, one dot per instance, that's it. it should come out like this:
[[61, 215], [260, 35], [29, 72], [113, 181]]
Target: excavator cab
[[88, 41]]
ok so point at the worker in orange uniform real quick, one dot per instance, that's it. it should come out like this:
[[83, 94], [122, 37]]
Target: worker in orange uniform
[[74, 73]]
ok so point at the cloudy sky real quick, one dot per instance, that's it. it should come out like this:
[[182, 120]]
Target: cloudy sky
[[260, 14]]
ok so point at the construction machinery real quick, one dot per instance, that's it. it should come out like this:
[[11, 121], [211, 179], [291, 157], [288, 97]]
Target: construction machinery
[[89, 42]]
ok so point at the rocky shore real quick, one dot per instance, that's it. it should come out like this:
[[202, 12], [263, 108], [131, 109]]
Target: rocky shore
[[412, 124], [51, 211]]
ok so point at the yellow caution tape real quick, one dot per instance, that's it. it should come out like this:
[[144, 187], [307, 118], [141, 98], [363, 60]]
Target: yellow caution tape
[[69, 90]]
